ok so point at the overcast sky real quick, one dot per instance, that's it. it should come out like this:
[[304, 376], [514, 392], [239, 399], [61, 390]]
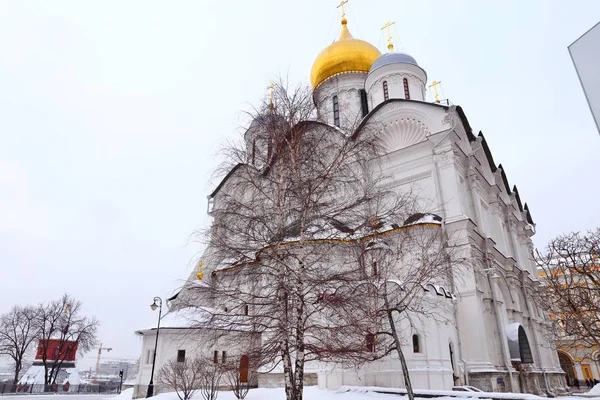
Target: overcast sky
[[112, 114]]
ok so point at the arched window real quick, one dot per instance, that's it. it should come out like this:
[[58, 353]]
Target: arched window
[[406, 91], [416, 343], [386, 93], [336, 111], [374, 268]]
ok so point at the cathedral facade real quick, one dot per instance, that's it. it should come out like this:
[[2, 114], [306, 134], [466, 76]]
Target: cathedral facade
[[495, 340]]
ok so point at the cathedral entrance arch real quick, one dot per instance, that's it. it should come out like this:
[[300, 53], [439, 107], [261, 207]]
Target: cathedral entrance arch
[[244, 369], [566, 363], [518, 344]]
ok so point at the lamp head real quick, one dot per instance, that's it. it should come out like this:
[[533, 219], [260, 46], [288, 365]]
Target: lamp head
[[154, 306]]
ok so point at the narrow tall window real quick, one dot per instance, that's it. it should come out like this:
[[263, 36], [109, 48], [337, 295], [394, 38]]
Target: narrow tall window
[[406, 91], [244, 369], [370, 339], [223, 357], [245, 309], [181, 356], [364, 105], [149, 356], [416, 344], [386, 93], [336, 111], [216, 356], [451, 357]]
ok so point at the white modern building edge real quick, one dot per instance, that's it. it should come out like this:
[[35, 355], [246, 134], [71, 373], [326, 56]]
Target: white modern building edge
[[585, 53]]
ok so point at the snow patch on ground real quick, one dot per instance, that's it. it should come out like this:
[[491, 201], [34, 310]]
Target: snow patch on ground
[[446, 394], [595, 391], [347, 393], [310, 393]]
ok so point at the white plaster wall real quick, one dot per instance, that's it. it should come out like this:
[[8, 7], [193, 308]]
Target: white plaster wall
[[195, 342], [423, 158], [394, 75]]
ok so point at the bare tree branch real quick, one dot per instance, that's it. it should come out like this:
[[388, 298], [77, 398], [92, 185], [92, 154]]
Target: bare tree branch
[[62, 327], [183, 377], [570, 294], [18, 331]]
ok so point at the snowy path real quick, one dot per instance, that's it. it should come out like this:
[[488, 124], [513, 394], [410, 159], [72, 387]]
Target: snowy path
[[57, 396]]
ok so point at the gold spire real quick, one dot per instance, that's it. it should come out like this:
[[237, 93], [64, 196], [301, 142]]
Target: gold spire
[[271, 87], [387, 26], [434, 86]]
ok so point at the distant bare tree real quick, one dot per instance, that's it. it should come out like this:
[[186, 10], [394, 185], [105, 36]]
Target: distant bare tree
[[18, 332], [570, 270], [297, 196], [210, 375], [62, 321], [183, 377]]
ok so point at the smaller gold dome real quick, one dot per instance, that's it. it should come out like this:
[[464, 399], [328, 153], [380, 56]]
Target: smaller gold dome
[[343, 56]]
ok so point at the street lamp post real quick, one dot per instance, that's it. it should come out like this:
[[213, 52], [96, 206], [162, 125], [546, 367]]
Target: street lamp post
[[154, 306]]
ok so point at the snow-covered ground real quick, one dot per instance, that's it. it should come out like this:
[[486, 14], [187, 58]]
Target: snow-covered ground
[[348, 393], [595, 391]]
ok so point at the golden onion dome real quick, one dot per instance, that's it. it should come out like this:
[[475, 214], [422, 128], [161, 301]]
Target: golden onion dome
[[343, 56]]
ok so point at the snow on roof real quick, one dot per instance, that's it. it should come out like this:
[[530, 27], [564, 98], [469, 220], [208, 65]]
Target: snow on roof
[[35, 375], [423, 218], [201, 318]]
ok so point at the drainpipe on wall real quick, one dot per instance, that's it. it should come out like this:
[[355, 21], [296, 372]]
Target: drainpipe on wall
[[537, 347], [501, 330]]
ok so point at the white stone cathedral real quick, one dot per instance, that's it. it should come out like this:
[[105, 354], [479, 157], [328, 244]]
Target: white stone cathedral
[[495, 341]]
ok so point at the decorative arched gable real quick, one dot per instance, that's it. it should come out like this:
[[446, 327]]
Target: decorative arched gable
[[403, 133]]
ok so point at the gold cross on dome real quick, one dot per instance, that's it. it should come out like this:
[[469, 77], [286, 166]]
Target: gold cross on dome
[[434, 85], [341, 5], [387, 26]]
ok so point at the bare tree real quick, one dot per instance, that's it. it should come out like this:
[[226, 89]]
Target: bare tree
[[183, 377], [210, 378], [18, 331], [63, 328], [409, 275], [240, 376], [570, 271], [296, 197]]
